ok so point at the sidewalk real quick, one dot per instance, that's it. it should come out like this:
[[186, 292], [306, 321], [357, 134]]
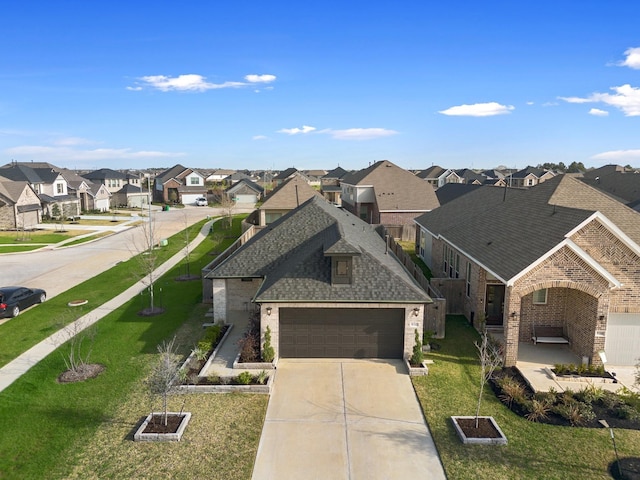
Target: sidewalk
[[17, 367]]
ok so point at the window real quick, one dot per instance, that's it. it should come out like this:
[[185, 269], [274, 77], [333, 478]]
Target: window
[[540, 297], [468, 279], [457, 266], [445, 258], [194, 181], [342, 267], [341, 270], [59, 188]]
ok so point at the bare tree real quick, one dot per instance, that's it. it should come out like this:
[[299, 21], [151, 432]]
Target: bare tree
[[227, 204], [164, 374], [490, 359], [80, 338], [148, 261]]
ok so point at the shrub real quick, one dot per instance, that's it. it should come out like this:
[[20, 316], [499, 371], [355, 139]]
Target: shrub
[[590, 394], [512, 391], [262, 377], [200, 353], [626, 412], [538, 410], [203, 346], [268, 354], [248, 348], [417, 357], [576, 413], [244, 378]]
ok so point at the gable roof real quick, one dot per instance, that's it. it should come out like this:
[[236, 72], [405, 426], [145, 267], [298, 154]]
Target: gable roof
[[450, 191], [289, 195], [337, 172], [395, 188], [245, 182], [433, 171], [170, 173], [283, 175], [506, 230], [292, 255], [12, 191], [20, 173], [105, 173]]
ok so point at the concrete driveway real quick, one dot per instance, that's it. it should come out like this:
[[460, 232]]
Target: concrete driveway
[[345, 419]]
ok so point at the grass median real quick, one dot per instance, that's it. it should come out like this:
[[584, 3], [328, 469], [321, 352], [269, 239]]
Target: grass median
[[83, 429], [534, 450]]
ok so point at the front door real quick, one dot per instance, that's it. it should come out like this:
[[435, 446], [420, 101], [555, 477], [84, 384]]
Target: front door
[[495, 304]]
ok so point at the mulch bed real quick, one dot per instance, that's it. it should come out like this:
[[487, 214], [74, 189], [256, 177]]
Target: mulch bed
[[156, 424], [82, 373], [601, 412], [486, 428], [150, 312], [628, 466]]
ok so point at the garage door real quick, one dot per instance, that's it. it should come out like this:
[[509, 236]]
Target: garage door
[[622, 344], [190, 198], [246, 198], [341, 333]]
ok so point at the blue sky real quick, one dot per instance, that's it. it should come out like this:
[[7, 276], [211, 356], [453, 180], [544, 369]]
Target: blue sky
[[269, 85]]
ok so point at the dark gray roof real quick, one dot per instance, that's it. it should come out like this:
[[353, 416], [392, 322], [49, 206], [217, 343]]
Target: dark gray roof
[[20, 173], [292, 255], [538, 172], [283, 175], [505, 233], [245, 182], [105, 173], [170, 173], [337, 172], [451, 191]]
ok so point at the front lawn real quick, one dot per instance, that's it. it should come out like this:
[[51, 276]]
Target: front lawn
[[534, 450], [84, 430]]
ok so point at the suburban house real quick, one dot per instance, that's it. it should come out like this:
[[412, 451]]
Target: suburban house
[[287, 174], [437, 176], [330, 185], [48, 183], [326, 285], [19, 206], [468, 176], [618, 182], [528, 177], [92, 196], [245, 191], [131, 196], [284, 198], [560, 256], [113, 180], [179, 184], [219, 175], [387, 194]]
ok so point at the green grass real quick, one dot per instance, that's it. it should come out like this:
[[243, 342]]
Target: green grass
[[47, 427], [16, 238], [410, 249], [36, 324], [88, 239], [18, 248], [534, 451]]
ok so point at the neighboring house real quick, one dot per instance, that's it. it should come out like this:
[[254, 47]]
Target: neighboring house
[[528, 177], [284, 198], [245, 191], [287, 174], [92, 196], [468, 176], [131, 196], [325, 285], [179, 185], [387, 194], [219, 175], [236, 177], [19, 206], [617, 182], [437, 176], [113, 180], [560, 254], [330, 185], [48, 183]]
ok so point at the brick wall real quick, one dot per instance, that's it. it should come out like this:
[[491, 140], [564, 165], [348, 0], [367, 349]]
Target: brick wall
[[398, 218]]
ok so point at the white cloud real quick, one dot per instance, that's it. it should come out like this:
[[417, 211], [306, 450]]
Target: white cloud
[[633, 58], [530, 103], [618, 155], [259, 137], [260, 78], [598, 113], [360, 133], [66, 154], [295, 131], [72, 141], [194, 83], [625, 98], [478, 110]]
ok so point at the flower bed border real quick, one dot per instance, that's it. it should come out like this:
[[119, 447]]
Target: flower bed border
[[209, 361], [162, 437], [237, 364], [475, 440], [260, 389]]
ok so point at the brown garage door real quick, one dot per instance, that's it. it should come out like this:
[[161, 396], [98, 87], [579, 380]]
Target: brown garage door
[[341, 332]]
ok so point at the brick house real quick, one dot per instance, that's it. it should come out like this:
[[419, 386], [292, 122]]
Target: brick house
[[528, 177], [386, 194], [284, 198], [561, 254], [325, 284], [179, 184], [19, 206]]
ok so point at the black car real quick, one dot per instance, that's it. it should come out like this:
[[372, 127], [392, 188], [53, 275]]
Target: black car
[[14, 299]]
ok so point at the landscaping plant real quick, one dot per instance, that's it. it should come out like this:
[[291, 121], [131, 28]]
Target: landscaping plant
[[490, 359], [161, 382], [268, 353], [418, 357]]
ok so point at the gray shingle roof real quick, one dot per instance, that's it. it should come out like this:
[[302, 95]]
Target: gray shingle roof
[[293, 257], [507, 234]]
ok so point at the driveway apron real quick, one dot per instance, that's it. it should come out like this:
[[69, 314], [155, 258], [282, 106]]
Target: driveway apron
[[345, 419]]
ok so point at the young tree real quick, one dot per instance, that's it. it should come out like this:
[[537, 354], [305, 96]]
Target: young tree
[[148, 261], [418, 356], [80, 338], [164, 373], [227, 204], [490, 359]]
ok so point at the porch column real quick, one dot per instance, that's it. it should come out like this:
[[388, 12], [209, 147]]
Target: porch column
[[512, 302], [599, 337]]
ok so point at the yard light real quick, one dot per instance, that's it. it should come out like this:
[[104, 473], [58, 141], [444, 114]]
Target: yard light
[[269, 311], [613, 440], [416, 311]]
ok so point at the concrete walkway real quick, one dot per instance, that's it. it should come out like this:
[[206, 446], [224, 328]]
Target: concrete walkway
[[345, 419], [17, 367]]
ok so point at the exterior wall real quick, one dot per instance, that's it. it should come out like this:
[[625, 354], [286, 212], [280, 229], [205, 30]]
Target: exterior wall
[[220, 300], [198, 180], [240, 293], [7, 217], [264, 212], [412, 321], [398, 218]]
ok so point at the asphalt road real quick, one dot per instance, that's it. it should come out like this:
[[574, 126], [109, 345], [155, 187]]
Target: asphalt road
[[57, 270]]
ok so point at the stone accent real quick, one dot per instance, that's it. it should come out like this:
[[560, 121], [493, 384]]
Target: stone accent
[[220, 299]]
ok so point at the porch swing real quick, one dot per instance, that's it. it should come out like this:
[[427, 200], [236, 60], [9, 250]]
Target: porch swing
[[548, 334]]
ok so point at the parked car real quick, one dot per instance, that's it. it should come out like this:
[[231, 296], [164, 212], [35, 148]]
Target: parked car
[[201, 202], [15, 299]]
